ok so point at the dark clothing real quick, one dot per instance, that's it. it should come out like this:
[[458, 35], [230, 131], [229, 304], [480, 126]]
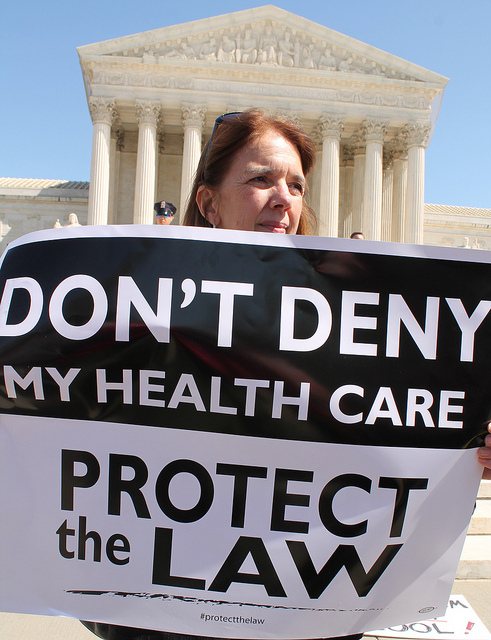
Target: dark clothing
[[113, 632]]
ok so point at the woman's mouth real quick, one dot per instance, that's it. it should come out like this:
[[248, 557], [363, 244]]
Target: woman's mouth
[[273, 227]]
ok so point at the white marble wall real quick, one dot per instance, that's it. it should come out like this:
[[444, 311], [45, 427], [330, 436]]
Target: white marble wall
[[22, 214]]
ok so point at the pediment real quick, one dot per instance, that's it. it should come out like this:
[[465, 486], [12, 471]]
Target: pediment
[[266, 37]]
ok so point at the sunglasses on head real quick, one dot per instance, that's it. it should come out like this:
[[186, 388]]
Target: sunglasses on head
[[223, 118]]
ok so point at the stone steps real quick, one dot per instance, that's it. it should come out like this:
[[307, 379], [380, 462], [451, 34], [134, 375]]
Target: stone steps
[[485, 489], [475, 561], [481, 518]]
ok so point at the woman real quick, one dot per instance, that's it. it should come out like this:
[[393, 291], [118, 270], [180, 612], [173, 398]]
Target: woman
[[251, 177], [243, 190], [262, 188]]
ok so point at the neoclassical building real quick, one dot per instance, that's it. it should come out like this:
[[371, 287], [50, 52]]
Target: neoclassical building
[[153, 98]]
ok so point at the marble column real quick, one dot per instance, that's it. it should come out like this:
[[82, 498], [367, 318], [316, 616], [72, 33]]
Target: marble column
[[314, 182], [347, 221], [147, 115], [159, 188], [342, 171], [193, 122], [331, 128], [416, 135], [387, 194], [117, 145], [374, 130], [102, 112], [399, 196], [358, 144]]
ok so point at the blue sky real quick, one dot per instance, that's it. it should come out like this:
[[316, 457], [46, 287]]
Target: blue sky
[[46, 131]]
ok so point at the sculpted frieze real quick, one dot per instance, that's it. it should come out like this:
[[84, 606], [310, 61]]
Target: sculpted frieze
[[403, 100], [264, 43], [139, 80], [164, 75], [326, 95]]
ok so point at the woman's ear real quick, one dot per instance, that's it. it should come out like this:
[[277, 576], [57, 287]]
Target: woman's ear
[[206, 201]]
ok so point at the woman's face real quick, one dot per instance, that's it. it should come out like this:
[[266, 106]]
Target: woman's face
[[262, 190]]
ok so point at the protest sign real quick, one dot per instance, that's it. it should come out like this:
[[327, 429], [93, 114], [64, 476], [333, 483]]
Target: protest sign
[[460, 622], [237, 434]]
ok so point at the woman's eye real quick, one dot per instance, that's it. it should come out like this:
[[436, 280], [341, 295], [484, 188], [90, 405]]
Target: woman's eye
[[297, 188]]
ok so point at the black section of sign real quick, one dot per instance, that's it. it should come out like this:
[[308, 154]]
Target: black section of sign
[[254, 353]]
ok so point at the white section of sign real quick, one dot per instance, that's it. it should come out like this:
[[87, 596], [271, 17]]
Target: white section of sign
[[96, 558], [460, 622], [254, 238]]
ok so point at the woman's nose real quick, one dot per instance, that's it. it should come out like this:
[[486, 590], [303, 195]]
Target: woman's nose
[[281, 196]]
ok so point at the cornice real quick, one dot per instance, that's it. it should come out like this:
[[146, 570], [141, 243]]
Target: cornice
[[96, 66], [286, 83]]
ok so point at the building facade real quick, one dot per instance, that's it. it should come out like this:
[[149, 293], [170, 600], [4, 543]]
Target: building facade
[[154, 97], [31, 205]]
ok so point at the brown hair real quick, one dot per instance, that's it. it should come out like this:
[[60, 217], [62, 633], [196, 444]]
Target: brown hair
[[229, 138]]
